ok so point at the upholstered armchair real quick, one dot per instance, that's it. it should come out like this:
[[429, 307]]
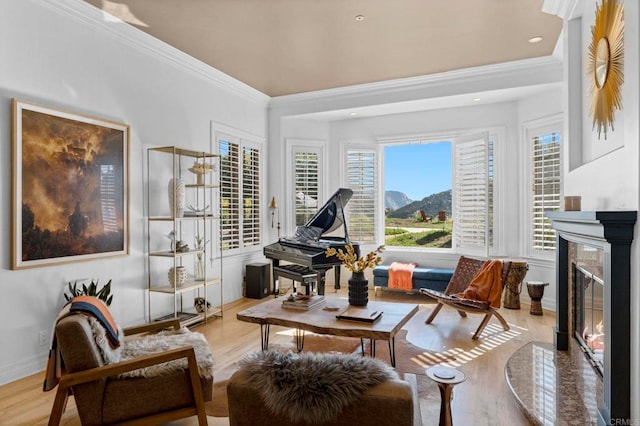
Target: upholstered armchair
[[107, 393]]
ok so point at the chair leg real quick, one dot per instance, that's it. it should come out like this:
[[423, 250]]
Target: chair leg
[[505, 326], [196, 388], [59, 405], [462, 314], [482, 325], [434, 313]]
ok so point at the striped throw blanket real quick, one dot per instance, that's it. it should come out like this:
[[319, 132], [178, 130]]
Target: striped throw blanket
[[85, 305]]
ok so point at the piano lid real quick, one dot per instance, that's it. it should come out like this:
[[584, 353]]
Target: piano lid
[[327, 219], [331, 216]]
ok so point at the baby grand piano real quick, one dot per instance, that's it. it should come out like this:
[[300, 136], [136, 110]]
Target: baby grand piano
[[306, 250]]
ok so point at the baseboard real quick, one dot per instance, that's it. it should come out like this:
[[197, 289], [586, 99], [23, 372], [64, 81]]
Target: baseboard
[[25, 367]]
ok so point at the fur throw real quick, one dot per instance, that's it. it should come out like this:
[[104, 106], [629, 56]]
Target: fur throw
[[109, 355], [148, 344], [313, 387], [164, 341]]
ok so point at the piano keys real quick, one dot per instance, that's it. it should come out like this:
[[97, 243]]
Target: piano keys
[[327, 228]]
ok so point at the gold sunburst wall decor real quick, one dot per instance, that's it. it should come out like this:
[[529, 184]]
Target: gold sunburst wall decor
[[606, 64]]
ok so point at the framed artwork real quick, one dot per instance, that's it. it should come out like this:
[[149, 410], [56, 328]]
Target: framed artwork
[[70, 189]]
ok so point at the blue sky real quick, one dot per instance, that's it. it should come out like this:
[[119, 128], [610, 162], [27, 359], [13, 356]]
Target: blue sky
[[418, 170]]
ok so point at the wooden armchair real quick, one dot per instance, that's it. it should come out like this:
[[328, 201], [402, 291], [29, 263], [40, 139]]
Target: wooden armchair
[[104, 398], [463, 275]]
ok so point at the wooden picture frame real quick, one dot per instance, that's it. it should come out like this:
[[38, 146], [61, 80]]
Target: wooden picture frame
[[70, 187]]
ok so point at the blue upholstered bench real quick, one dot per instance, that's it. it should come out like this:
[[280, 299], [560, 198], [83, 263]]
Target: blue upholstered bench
[[423, 277]]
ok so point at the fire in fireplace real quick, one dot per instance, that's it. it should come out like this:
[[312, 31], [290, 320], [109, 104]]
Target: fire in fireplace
[[589, 306]]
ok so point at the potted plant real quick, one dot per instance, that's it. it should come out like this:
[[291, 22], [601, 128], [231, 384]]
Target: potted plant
[[93, 289]]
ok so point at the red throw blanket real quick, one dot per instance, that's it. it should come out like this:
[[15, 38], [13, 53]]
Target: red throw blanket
[[400, 275], [486, 284], [86, 305]]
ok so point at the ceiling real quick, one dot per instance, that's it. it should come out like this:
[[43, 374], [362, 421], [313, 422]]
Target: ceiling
[[281, 47]]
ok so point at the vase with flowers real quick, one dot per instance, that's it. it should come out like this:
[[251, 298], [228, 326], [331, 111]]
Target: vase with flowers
[[358, 284]]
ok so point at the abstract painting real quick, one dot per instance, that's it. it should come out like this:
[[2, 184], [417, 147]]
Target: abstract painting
[[70, 187]]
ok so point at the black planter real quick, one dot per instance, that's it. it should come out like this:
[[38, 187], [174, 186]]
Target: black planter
[[358, 290]]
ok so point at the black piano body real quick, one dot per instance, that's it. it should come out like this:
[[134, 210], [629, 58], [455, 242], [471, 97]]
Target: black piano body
[[307, 248]]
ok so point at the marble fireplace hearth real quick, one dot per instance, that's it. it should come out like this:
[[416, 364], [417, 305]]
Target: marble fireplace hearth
[[554, 387]]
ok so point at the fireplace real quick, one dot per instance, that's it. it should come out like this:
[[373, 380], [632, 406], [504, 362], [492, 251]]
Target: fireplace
[[588, 302], [592, 298]]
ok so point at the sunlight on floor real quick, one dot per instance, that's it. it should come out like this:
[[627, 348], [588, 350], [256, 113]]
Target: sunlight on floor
[[492, 337]]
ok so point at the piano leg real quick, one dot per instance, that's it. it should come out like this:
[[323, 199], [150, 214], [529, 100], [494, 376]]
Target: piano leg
[[276, 290], [321, 280], [336, 274]]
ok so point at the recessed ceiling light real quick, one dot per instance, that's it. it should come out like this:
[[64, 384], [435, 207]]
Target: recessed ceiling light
[[536, 39], [359, 18], [476, 99]]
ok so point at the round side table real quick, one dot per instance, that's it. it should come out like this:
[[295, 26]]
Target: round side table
[[446, 378], [536, 291]]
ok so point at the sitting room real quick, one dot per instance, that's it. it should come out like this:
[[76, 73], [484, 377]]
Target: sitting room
[[398, 213]]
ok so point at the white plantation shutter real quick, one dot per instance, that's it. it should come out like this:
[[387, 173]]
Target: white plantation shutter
[[490, 198], [307, 186], [250, 196], [229, 193], [361, 178], [545, 188], [471, 195]]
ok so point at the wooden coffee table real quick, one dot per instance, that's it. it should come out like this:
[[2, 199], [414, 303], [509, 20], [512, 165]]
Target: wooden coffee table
[[321, 321]]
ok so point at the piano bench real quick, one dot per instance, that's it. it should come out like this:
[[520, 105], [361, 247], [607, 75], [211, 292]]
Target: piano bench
[[302, 274]]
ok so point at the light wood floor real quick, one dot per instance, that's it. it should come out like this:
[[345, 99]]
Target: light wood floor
[[482, 400]]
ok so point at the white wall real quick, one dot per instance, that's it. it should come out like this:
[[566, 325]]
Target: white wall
[[63, 53], [606, 173]]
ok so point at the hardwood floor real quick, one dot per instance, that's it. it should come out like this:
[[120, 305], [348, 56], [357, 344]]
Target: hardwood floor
[[482, 400]]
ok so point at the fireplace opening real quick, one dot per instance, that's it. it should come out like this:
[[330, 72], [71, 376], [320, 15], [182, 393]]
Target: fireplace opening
[[589, 327]]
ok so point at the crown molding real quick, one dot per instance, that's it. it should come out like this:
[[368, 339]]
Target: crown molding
[[565, 9], [87, 14], [546, 69]]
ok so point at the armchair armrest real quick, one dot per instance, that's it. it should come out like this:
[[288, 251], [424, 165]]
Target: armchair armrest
[[85, 376], [154, 326]]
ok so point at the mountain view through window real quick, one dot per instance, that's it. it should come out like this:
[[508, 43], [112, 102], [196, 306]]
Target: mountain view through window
[[417, 183]]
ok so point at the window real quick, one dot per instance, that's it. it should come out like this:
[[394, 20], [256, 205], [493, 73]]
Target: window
[[305, 178], [418, 182], [440, 194], [229, 191], [361, 209], [545, 185], [307, 186], [250, 196], [239, 193]]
